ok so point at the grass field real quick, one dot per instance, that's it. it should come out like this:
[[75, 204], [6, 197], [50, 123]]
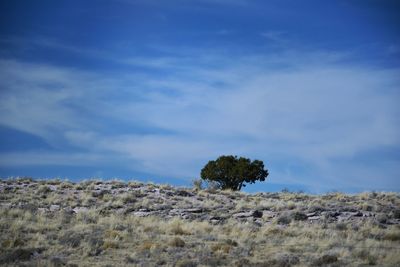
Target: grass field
[[112, 223]]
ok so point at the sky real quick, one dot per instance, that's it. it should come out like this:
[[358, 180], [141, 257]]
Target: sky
[[152, 90]]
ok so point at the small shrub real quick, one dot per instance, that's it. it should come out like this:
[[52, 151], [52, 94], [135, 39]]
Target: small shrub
[[392, 236], [285, 190], [66, 217], [396, 214], [115, 184], [341, 226], [177, 242], [66, 185], [110, 244], [176, 228], [95, 243], [214, 261], [79, 187], [290, 205], [284, 218], [25, 179], [71, 239], [198, 184], [54, 181], [100, 194], [282, 260], [231, 242], [112, 234], [57, 262], [366, 256], [147, 245], [13, 242], [299, 216], [19, 254], [90, 201], [43, 189], [221, 247], [316, 208], [87, 217], [212, 187], [186, 263], [367, 207], [243, 262], [382, 218], [325, 259], [129, 198], [131, 260]]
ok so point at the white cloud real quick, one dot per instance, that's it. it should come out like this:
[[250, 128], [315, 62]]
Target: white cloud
[[46, 158], [275, 36], [310, 109]]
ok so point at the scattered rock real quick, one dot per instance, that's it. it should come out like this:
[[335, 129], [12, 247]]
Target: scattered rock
[[80, 209], [186, 216], [52, 187], [215, 219], [331, 214], [194, 210], [143, 213], [314, 218], [252, 213], [183, 193], [258, 222], [368, 214], [42, 209], [54, 208], [170, 202]]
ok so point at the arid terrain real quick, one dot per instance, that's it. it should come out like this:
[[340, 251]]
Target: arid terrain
[[114, 223]]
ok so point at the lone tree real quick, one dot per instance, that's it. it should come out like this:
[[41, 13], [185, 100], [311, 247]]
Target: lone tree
[[231, 172]]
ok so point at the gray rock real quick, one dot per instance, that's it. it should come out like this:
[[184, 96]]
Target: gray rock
[[194, 210], [142, 213], [314, 218], [42, 209], [183, 193], [330, 214], [215, 220], [252, 213], [54, 208], [186, 216], [80, 209], [348, 215], [258, 222], [368, 214], [52, 187], [175, 212], [144, 210]]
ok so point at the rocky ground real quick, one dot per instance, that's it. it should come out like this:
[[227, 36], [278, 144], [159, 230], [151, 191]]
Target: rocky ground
[[115, 223]]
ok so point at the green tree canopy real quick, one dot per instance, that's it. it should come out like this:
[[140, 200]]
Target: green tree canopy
[[231, 172]]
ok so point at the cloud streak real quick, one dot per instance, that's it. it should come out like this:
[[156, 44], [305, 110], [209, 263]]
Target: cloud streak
[[308, 116]]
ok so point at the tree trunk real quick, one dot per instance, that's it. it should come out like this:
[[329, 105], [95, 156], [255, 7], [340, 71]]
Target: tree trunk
[[240, 186]]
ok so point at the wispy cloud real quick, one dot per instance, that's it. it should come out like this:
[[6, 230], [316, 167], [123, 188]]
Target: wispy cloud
[[290, 110], [275, 36]]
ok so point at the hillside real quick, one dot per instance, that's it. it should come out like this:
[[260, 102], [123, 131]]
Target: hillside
[[112, 223]]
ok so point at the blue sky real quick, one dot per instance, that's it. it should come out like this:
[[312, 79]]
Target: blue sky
[[152, 90]]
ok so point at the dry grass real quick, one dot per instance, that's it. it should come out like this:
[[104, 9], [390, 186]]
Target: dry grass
[[97, 223]]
